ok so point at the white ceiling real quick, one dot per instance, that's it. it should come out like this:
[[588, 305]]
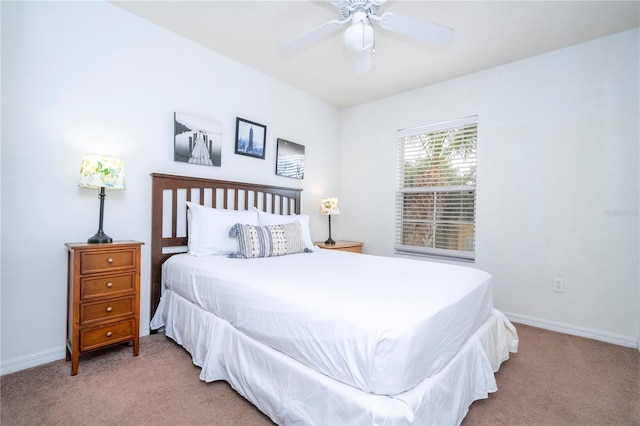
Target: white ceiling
[[487, 34]]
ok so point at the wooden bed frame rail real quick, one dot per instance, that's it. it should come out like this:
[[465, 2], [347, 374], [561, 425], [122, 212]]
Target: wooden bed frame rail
[[169, 221]]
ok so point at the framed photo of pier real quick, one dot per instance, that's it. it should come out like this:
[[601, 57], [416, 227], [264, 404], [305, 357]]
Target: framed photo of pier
[[197, 140], [250, 138]]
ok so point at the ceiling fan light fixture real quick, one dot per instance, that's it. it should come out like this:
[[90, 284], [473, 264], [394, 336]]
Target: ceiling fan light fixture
[[359, 36]]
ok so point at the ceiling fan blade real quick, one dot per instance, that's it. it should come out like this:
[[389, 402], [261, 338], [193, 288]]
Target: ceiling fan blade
[[416, 28], [310, 36], [363, 61]]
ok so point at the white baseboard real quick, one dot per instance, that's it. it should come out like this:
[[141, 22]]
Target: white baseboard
[[39, 358], [32, 360], [575, 331]]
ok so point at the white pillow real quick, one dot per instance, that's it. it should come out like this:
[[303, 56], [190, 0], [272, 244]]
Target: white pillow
[[209, 229], [278, 219]]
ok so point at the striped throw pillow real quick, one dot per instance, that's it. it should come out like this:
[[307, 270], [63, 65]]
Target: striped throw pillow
[[266, 241]]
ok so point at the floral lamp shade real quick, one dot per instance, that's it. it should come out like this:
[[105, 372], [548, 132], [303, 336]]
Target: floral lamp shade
[[329, 206], [101, 171]]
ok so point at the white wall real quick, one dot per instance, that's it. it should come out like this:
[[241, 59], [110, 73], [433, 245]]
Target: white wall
[[88, 77], [558, 149]]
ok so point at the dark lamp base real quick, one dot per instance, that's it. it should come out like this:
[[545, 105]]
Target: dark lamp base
[[330, 242], [100, 238]]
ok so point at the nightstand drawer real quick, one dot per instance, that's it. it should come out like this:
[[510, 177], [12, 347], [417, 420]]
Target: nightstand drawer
[[97, 311], [356, 249], [106, 335], [107, 285], [107, 260]]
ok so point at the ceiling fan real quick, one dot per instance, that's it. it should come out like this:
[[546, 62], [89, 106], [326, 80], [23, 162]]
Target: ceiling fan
[[359, 36]]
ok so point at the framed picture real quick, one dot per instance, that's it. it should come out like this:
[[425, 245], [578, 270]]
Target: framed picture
[[196, 140], [290, 159], [250, 138]]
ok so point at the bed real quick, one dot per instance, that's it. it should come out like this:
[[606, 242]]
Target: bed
[[314, 336]]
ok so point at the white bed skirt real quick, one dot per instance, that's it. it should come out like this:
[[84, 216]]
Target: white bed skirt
[[291, 393]]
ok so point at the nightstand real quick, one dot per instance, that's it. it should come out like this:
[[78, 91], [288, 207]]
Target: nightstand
[[103, 304], [352, 246]]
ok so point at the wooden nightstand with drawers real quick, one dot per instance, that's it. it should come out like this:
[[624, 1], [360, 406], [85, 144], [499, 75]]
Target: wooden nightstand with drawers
[[352, 246], [103, 305]]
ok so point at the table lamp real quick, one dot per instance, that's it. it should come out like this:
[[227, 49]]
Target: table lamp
[[101, 171], [329, 206]]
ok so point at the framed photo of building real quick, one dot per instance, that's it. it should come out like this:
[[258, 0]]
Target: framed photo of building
[[250, 138], [290, 159], [196, 140]]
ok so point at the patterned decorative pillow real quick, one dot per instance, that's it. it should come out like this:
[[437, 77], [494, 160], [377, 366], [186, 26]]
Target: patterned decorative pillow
[[266, 241]]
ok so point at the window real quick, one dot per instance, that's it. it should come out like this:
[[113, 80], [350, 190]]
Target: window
[[436, 189]]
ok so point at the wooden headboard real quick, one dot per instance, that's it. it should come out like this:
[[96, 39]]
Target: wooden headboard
[[169, 212]]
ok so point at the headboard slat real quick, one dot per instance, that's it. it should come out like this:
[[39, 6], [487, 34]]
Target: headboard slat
[[163, 247], [174, 212]]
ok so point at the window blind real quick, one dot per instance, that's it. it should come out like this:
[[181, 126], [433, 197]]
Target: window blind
[[436, 189]]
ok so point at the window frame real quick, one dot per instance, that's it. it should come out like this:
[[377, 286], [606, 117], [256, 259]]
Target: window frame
[[440, 220]]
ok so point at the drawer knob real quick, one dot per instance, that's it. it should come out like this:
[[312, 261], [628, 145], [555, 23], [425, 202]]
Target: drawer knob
[[110, 260], [109, 309], [109, 334], [109, 285]]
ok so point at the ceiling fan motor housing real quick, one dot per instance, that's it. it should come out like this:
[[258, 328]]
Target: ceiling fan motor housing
[[348, 7]]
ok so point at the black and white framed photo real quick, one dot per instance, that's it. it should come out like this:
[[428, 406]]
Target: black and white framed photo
[[197, 140], [290, 159], [250, 138]]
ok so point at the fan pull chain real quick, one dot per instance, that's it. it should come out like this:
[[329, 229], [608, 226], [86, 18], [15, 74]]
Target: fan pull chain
[[373, 48], [364, 26]]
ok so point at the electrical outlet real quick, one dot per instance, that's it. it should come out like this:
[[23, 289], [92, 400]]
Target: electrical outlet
[[558, 285]]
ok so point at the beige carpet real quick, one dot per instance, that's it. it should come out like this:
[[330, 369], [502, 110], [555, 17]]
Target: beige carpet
[[555, 379]]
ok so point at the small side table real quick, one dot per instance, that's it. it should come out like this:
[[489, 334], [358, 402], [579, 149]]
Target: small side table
[[103, 297], [352, 246]]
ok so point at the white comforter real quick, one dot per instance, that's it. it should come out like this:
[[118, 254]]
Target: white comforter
[[379, 324]]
